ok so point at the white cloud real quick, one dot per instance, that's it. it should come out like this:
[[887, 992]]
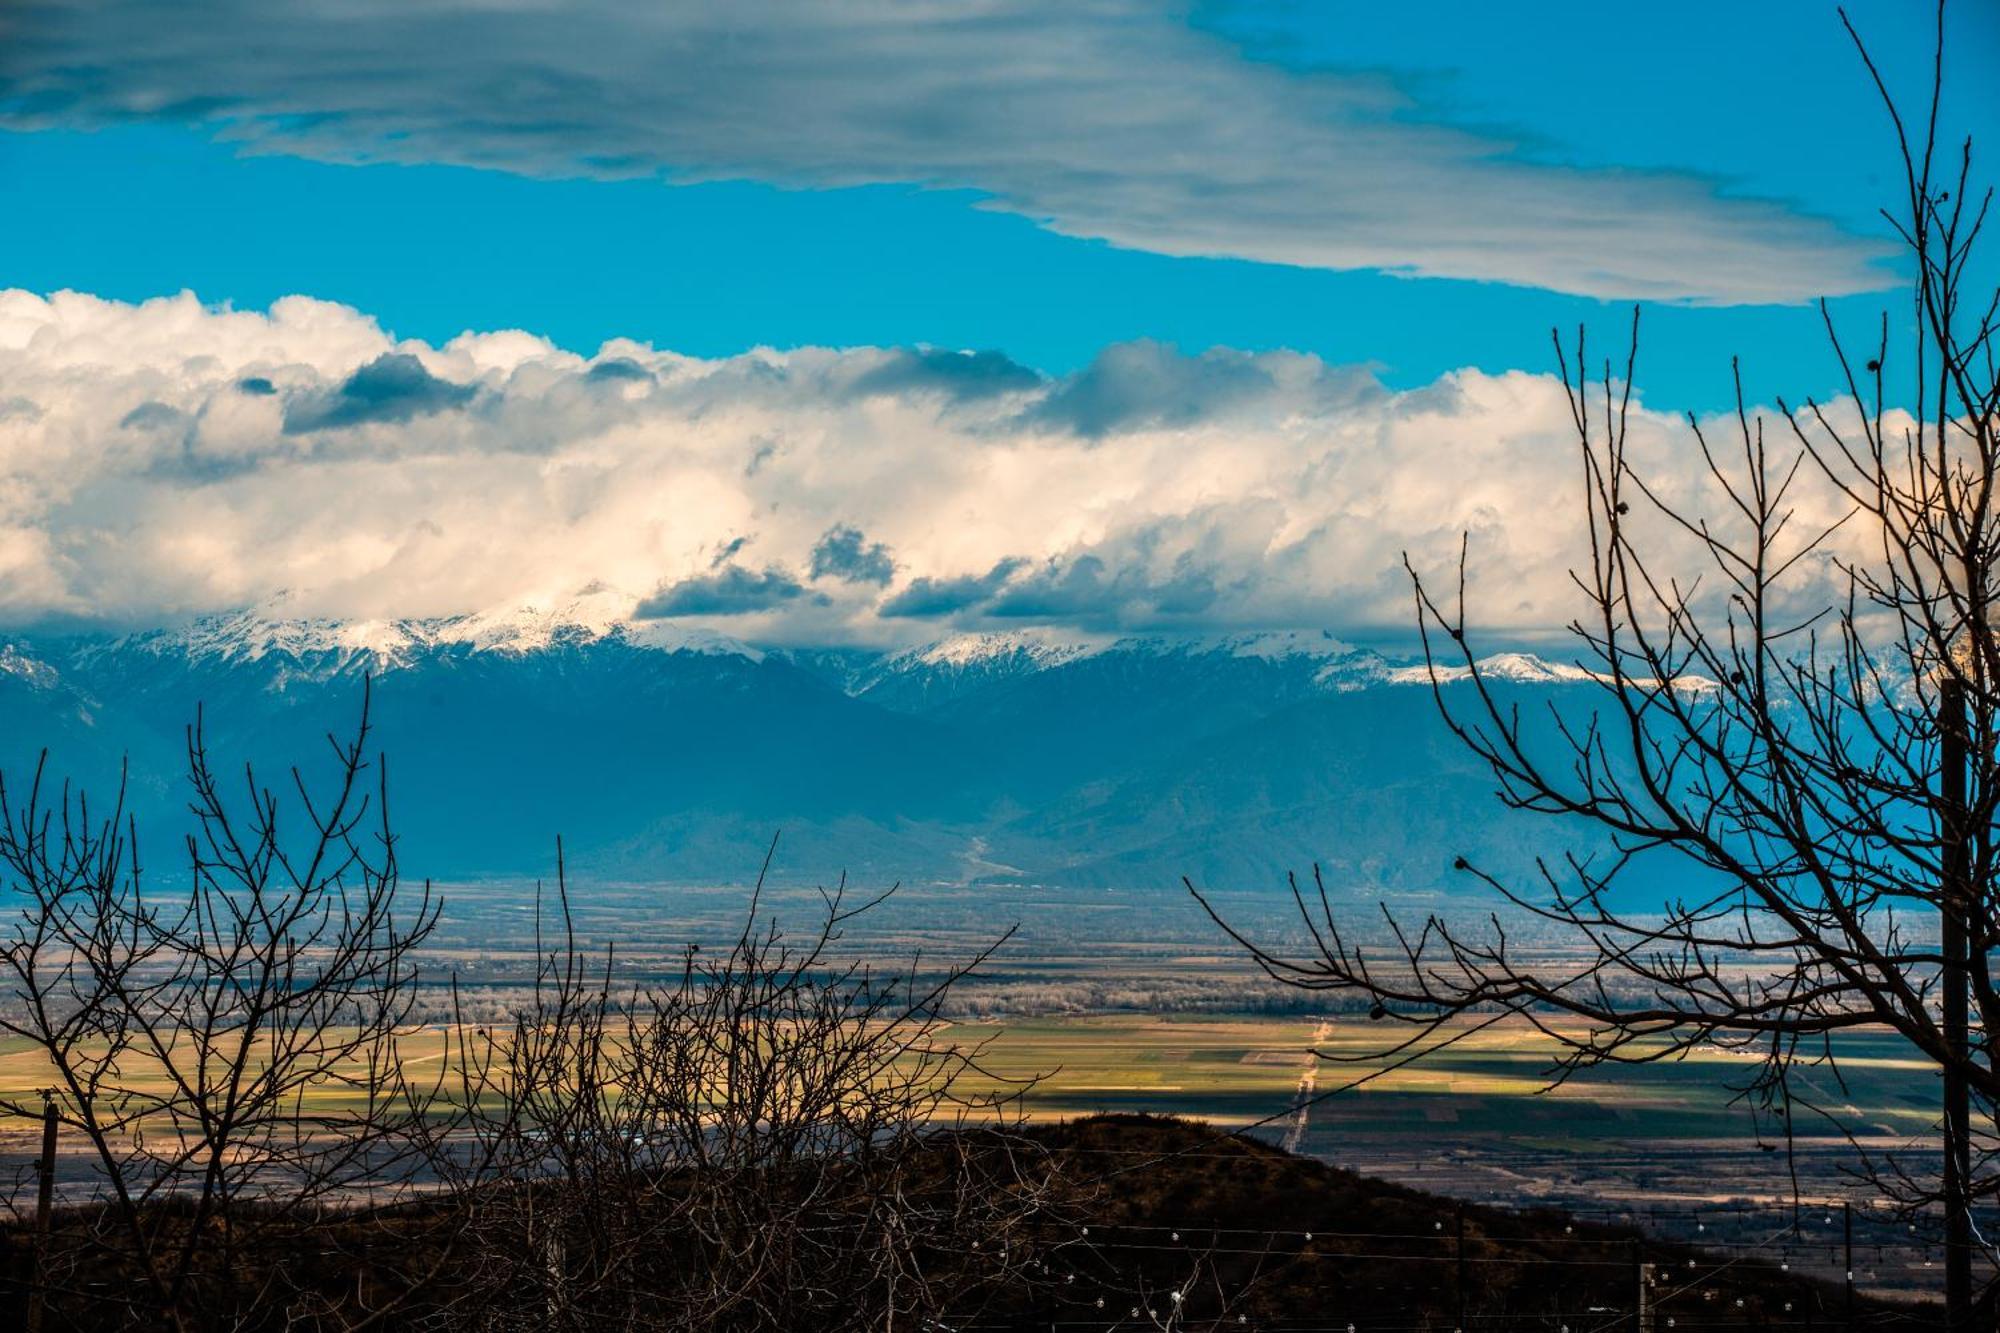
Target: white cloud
[[1110, 119], [166, 458]]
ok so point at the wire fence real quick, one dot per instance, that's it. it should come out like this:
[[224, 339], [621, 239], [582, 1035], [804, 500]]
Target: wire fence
[[1818, 1266]]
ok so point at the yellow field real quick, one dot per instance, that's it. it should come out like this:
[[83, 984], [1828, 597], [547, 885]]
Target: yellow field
[[1239, 1070]]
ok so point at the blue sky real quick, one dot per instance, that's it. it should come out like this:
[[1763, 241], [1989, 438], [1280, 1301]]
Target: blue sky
[[1762, 101], [1265, 292]]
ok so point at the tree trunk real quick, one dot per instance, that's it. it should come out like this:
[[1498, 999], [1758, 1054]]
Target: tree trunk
[[1955, 904]]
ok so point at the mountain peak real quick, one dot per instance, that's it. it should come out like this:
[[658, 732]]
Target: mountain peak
[[1519, 668], [249, 636], [1334, 662], [32, 670], [1277, 644], [595, 614], [326, 646], [1038, 646]]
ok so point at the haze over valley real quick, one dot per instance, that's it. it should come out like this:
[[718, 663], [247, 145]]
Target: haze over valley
[[656, 753]]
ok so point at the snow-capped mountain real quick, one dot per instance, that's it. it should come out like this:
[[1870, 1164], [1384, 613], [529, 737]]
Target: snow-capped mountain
[[935, 673], [319, 648], [671, 753], [1029, 649], [25, 669]]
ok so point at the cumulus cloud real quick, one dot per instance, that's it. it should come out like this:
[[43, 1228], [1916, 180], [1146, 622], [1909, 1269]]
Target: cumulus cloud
[[1088, 591], [393, 387], [929, 598], [618, 368], [1198, 490], [845, 553], [729, 591], [1146, 383], [1111, 119], [952, 373], [152, 416]]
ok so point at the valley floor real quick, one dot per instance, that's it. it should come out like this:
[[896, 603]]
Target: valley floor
[[1655, 1146], [1129, 1002]]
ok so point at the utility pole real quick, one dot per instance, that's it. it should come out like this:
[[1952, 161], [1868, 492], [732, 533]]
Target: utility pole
[[45, 1196], [1954, 910]]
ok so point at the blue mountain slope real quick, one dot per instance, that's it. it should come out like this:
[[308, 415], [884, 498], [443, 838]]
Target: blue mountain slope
[[1367, 784], [661, 756]]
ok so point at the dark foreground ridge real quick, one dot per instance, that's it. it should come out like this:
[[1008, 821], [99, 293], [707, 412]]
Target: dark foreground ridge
[[1158, 1223], [1309, 1246]]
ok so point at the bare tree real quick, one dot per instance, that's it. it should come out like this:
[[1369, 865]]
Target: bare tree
[[776, 1138], [1802, 712], [230, 1049], [280, 1131]]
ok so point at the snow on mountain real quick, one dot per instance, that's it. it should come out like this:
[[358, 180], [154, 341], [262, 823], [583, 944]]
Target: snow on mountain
[[964, 664], [1278, 644], [249, 636], [596, 614], [319, 648], [1527, 669], [665, 751], [1335, 663], [1516, 668], [1029, 650], [1314, 659], [34, 672], [288, 650], [1039, 648]]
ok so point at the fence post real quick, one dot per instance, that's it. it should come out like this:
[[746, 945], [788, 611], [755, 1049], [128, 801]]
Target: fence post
[[1847, 1227], [1460, 1251], [1642, 1306], [45, 1192]]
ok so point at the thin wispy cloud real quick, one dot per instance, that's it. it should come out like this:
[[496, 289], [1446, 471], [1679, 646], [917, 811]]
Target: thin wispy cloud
[[1107, 119]]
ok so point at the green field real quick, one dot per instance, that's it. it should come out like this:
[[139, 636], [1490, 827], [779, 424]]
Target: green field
[[1235, 1070], [1478, 1119]]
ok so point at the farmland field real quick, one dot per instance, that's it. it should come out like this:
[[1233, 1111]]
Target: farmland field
[[1466, 1115], [1130, 1002], [1659, 1144]]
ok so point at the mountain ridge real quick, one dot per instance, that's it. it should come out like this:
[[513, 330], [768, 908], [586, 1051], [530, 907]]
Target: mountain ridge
[[1019, 756]]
